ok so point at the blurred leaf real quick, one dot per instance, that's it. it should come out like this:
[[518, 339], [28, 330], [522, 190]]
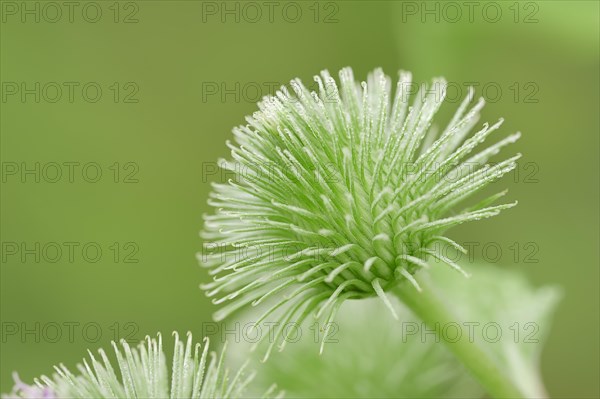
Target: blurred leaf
[[367, 354], [509, 318]]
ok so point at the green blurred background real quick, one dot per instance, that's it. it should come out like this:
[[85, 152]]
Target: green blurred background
[[537, 62]]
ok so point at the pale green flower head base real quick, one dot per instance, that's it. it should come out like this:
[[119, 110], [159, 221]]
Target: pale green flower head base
[[342, 193], [195, 373]]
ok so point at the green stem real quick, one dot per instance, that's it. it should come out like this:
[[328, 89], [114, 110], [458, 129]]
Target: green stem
[[434, 313]]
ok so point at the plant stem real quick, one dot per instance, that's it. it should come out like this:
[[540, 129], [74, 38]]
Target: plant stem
[[435, 314]]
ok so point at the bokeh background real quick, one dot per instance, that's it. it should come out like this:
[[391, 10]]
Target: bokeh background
[[176, 76]]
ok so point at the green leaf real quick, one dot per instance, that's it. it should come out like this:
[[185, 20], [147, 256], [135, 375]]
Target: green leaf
[[368, 354], [513, 317]]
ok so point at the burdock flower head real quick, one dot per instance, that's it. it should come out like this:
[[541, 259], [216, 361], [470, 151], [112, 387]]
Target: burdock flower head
[[142, 373], [342, 193]]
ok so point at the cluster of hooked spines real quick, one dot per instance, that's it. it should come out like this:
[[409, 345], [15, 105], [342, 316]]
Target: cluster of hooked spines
[[195, 373], [341, 193]]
